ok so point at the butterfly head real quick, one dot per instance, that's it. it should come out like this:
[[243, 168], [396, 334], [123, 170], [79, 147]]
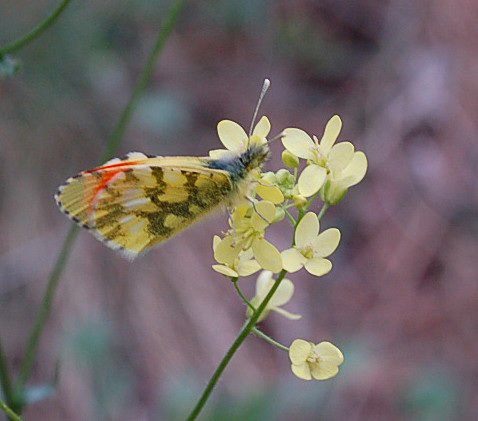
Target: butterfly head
[[255, 156]]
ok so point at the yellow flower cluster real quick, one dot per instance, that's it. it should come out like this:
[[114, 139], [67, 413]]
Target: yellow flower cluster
[[330, 170]]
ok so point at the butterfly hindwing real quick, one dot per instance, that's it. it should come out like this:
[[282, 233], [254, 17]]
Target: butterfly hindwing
[[136, 203]]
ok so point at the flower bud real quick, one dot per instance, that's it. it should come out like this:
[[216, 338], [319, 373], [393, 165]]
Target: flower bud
[[289, 159], [283, 175], [279, 216], [269, 177], [333, 192], [300, 201]]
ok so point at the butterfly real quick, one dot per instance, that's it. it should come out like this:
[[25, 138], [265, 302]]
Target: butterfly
[[138, 201]]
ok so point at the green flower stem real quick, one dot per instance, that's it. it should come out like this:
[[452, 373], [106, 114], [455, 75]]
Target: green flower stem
[[311, 200], [246, 330], [112, 145], [43, 312], [36, 31], [267, 338], [236, 286], [324, 208], [289, 217], [9, 412], [5, 377], [163, 35]]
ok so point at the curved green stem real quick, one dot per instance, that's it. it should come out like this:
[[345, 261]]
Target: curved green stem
[[36, 31], [236, 286], [164, 33], [234, 347], [9, 412], [113, 143], [289, 217], [323, 209], [5, 377], [44, 311], [311, 200], [267, 338]]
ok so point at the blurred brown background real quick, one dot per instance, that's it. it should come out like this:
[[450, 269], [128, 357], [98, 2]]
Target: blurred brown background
[[138, 341]]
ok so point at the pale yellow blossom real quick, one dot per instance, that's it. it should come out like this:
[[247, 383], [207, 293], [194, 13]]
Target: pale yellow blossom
[[235, 138], [236, 141], [338, 182], [311, 248], [247, 232], [283, 294], [338, 163], [234, 265], [320, 361]]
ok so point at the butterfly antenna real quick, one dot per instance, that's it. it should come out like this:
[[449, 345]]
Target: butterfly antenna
[[276, 138], [264, 89]]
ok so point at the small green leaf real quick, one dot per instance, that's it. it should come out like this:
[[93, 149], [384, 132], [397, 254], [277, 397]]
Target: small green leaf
[[9, 66]]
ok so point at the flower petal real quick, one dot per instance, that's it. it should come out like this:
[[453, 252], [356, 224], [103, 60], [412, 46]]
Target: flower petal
[[356, 169], [227, 271], [307, 230], [329, 352], [248, 267], [311, 179], [340, 156], [220, 153], [215, 241], [267, 255], [232, 135], [264, 214], [323, 370], [299, 143], [318, 266], [302, 371], [225, 251], [283, 294], [270, 192], [287, 314], [331, 132], [262, 128], [326, 243], [292, 260], [299, 351], [263, 284]]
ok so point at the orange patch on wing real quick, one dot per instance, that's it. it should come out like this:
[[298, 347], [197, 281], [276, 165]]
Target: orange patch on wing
[[108, 172]]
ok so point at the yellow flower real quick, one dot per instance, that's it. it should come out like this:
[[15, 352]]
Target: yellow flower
[[282, 296], [236, 141], [325, 158], [320, 361], [339, 181], [235, 138], [269, 191], [310, 247], [247, 232], [234, 265]]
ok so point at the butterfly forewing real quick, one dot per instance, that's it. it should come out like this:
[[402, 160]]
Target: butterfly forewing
[[136, 203]]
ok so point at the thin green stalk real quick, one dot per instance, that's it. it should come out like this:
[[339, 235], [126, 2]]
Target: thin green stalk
[[323, 210], [113, 143], [246, 330], [311, 200], [5, 377], [36, 31], [43, 312], [236, 286], [9, 412], [267, 338], [289, 217], [164, 33]]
